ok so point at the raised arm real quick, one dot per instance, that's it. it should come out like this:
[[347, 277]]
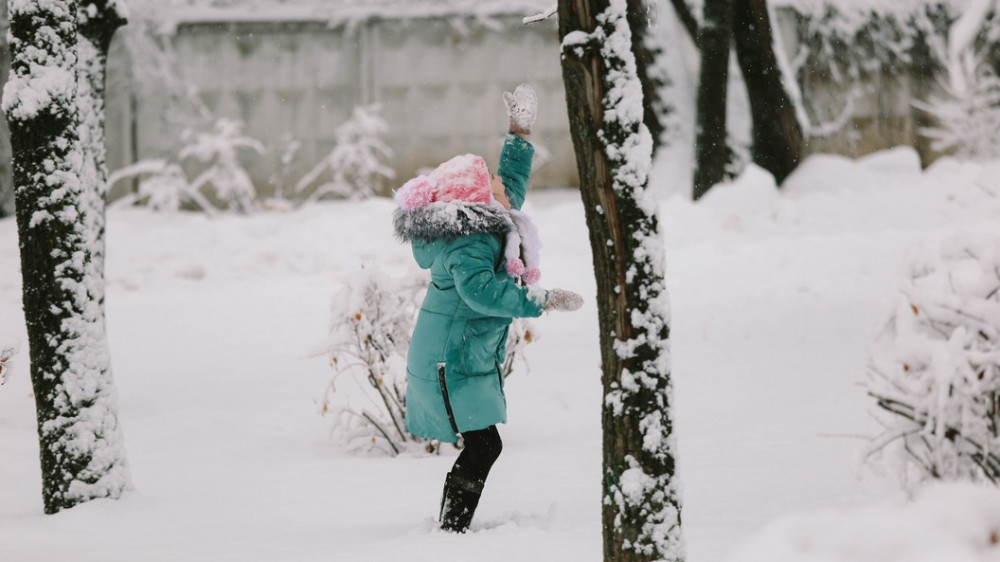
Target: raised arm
[[515, 168], [515, 158]]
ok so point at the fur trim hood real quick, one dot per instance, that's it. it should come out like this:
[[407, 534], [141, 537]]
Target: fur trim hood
[[448, 221], [457, 200]]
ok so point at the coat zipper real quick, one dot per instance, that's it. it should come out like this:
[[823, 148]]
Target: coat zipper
[[447, 400]]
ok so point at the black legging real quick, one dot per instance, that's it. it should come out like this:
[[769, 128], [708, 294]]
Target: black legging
[[482, 448]]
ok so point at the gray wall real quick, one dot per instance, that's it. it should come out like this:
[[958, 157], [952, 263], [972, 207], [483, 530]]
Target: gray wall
[[438, 81], [885, 94]]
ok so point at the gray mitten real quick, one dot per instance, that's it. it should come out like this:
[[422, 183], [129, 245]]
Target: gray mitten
[[561, 299], [522, 108]]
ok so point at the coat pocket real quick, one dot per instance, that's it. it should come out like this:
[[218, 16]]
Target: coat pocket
[[481, 341]]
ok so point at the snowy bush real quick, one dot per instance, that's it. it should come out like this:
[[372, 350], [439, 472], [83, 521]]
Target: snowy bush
[[354, 167], [521, 334], [372, 318], [936, 371], [8, 349], [969, 119], [287, 148], [164, 186], [220, 150]]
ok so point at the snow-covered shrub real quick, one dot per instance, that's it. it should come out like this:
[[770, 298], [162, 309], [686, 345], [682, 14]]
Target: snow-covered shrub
[[8, 349], [220, 150], [521, 334], [936, 370], [372, 318], [164, 186], [287, 148], [969, 119], [354, 167]]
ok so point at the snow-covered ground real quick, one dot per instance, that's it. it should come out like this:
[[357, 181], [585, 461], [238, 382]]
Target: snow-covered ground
[[776, 297]]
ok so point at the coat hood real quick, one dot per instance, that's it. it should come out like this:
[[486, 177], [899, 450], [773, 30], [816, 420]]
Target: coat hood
[[427, 227]]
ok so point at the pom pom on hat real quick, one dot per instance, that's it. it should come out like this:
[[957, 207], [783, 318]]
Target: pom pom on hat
[[416, 193], [463, 178]]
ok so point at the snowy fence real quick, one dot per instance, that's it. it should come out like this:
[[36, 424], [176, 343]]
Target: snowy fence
[[438, 81], [864, 76]]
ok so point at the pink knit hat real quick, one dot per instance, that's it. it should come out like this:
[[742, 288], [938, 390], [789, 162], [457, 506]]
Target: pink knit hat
[[463, 178]]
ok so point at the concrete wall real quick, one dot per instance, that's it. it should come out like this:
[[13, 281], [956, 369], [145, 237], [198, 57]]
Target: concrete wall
[[438, 81], [881, 104]]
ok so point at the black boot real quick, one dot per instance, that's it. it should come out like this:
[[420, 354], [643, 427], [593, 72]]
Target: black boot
[[459, 501]]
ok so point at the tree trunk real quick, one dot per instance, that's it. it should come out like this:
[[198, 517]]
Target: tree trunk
[[98, 23], [81, 447], [647, 50], [687, 19], [641, 507], [777, 133], [711, 150], [6, 182]]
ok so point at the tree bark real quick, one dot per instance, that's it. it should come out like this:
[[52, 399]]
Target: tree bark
[[6, 181], [777, 133], [647, 50], [98, 20], [711, 150], [641, 513], [81, 448]]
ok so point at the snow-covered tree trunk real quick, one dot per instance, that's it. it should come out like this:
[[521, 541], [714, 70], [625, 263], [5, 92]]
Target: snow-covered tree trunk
[[641, 504], [777, 133], [647, 49], [6, 183], [687, 18], [56, 191], [98, 20], [711, 149], [961, 37]]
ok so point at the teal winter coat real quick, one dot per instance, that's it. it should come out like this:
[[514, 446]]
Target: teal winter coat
[[454, 381]]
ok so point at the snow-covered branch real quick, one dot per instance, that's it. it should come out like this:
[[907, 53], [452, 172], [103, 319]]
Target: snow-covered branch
[[548, 13], [936, 370], [8, 349]]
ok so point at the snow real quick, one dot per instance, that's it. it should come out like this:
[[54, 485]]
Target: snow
[[953, 522], [936, 366], [26, 97], [776, 298], [177, 11]]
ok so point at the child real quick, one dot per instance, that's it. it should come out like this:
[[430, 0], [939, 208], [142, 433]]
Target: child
[[467, 228]]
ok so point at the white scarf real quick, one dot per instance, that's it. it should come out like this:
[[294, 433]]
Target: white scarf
[[522, 242]]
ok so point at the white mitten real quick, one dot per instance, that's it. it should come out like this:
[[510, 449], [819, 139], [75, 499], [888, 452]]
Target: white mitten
[[522, 108], [561, 299]]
